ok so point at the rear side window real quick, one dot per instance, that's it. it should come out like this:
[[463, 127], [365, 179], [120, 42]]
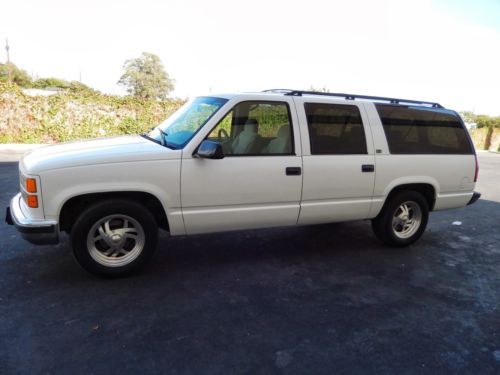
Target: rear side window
[[335, 129], [416, 130]]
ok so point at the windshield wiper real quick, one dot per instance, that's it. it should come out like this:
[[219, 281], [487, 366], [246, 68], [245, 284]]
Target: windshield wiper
[[145, 135], [163, 138]]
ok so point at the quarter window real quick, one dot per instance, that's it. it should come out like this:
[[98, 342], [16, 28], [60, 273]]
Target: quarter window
[[417, 130], [335, 129]]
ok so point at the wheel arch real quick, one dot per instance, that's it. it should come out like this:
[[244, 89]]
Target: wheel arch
[[73, 206], [427, 189]]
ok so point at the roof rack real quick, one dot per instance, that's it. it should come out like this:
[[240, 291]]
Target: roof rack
[[279, 91], [354, 96]]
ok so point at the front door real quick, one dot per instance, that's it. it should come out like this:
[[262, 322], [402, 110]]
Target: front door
[[259, 181]]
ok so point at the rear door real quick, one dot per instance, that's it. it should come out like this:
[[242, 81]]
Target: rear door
[[338, 160]]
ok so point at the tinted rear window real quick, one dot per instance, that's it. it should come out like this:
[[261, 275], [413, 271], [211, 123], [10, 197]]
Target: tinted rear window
[[417, 130]]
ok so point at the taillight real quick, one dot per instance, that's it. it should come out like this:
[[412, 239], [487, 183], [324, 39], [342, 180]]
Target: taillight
[[477, 169]]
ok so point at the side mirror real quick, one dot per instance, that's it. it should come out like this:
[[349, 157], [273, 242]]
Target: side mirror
[[209, 150]]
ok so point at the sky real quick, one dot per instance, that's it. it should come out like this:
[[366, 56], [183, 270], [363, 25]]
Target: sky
[[446, 51]]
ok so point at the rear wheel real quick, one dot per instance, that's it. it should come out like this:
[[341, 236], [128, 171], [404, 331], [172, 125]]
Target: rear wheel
[[114, 237], [403, 219]]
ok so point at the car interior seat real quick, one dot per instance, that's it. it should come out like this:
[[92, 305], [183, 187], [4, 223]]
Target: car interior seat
[[246, 140], [282, 143], [355, 140]]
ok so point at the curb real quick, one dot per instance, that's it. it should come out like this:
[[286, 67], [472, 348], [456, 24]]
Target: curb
[[14, 151], [491, 152], [20, 147]]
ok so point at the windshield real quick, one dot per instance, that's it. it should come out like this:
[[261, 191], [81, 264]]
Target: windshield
[[179, 128]]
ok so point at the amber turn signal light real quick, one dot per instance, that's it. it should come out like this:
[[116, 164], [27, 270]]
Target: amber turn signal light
[[31, 185], [32, 201]]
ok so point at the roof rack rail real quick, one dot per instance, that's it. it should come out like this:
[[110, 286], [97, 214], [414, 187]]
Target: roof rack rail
[[279, 91], [354, 96]]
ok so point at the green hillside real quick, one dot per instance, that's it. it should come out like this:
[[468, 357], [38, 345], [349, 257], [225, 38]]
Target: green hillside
[[75, 114]]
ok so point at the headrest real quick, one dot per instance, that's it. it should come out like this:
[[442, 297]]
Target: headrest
[[356, 131], [284, 131], [251, 125]]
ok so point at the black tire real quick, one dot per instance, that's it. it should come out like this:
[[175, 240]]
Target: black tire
[[395, 236], [121, 220]]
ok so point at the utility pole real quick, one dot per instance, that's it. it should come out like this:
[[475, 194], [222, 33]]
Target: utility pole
[[7, 48]]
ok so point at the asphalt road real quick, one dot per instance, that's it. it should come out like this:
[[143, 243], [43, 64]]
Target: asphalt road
[[316, 300]]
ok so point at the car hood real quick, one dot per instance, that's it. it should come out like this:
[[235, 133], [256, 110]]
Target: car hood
[[96, 151]]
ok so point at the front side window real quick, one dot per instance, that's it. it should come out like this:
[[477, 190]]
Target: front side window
[[178, 129], [420, 130], [335, 129], [255, 128]]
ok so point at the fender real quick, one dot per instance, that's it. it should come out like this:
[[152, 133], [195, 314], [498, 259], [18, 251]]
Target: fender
[[160, 178]]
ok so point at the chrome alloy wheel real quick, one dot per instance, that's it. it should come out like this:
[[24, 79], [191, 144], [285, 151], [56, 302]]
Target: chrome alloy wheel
[[407, 219], [115, 240]]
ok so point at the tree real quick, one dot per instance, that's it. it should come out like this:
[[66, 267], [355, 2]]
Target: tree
[[468, 116], [145, 77], [18, 76], [482, 121]]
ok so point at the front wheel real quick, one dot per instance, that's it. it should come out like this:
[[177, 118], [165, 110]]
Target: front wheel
[[402, 220], [114, 237]]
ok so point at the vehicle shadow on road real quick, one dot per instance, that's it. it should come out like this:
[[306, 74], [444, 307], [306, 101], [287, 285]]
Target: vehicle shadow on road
[[328, 245], [278, 243], [176, 255]]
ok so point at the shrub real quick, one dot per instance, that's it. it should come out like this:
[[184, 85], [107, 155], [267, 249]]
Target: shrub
[[76, 113]]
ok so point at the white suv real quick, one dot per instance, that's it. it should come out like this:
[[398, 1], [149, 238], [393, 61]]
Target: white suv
[[252, 160]]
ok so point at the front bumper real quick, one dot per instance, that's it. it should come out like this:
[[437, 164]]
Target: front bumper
[[38, 232]]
